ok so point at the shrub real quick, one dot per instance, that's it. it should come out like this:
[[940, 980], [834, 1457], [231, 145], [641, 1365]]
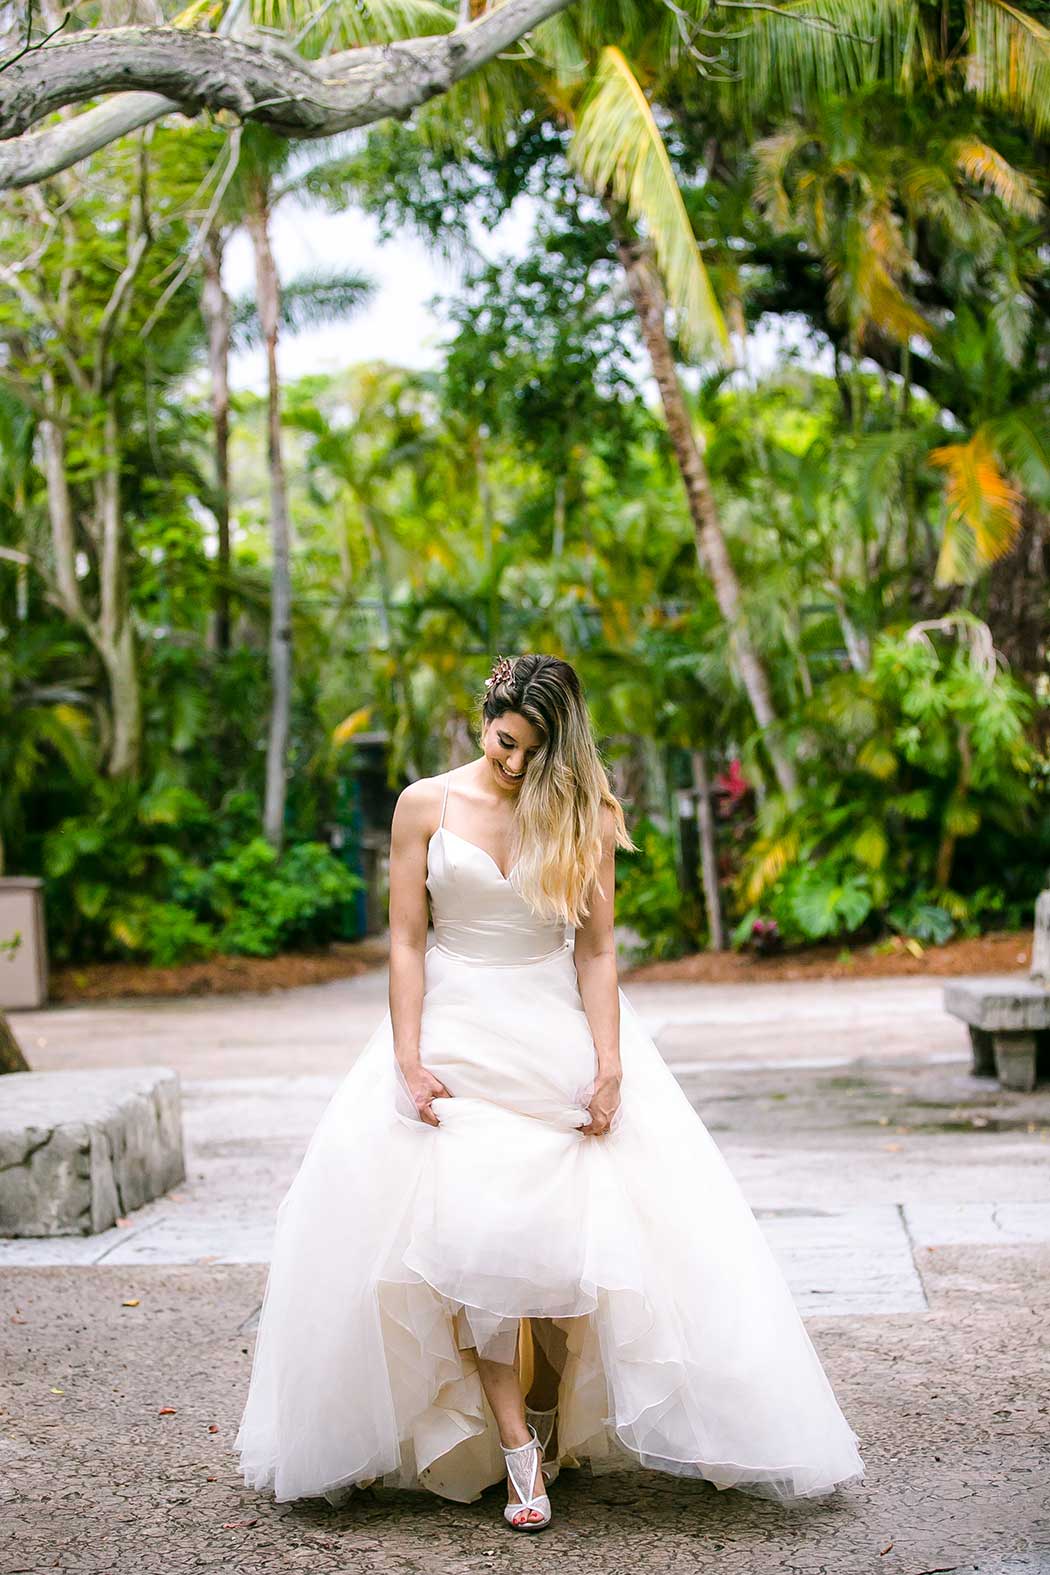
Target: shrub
[[650, 899], [264, 903], [154, 876], [920, 814]]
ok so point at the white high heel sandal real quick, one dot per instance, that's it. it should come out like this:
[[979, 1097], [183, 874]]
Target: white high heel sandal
[[521, 1464], [543, 1422]]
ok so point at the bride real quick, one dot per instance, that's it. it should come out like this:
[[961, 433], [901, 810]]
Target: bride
[[512, 1245]]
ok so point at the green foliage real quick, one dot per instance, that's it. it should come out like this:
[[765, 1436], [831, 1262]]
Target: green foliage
[[920, 814], [649, 896], [150, 876], [267, 903], [884, 236]]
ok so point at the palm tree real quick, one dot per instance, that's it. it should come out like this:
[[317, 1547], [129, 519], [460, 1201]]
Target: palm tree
[[862, 180], [269, 174], [215, 310]]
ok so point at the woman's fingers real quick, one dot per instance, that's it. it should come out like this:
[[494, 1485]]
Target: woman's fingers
[[435, 1090]]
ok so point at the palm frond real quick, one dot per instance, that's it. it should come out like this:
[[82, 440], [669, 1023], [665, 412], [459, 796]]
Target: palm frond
[[617, 145], [881, 260], [320, 26], [773, 156], [813, 50], [1011, 314], [1022, 437], [983, 508], [987, 168], [1009, 61], [308, 301], [771, 856]]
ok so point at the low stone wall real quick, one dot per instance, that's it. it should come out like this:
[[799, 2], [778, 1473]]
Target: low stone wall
[[79, 1150]]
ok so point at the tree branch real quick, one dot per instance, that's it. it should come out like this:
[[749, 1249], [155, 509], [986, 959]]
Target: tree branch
[[204, 230], [40, 154], [139, 240], [264, 81]]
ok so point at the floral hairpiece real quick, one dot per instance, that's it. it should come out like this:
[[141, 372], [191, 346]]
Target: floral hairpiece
[[501, 672]]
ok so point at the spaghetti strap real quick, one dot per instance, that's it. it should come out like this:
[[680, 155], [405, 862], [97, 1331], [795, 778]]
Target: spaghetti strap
[[444, 800]]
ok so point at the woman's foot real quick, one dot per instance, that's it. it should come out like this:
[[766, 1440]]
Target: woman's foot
[[525, 1485]]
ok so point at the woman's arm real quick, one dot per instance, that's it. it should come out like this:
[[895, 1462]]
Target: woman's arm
[[415, 813], [595, 956]]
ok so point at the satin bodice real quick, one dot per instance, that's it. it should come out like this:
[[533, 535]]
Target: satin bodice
[[479, 914]]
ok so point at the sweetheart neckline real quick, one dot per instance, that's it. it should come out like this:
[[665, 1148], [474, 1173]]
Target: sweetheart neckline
[[483, 851]]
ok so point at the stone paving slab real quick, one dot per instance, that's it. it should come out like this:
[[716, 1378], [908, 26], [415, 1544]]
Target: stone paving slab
[[978, 1224], [849, 1261], [846, 1261], [950, 1403]]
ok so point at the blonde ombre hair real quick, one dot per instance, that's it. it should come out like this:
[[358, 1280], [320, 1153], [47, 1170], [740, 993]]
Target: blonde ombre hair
[[559, 832]]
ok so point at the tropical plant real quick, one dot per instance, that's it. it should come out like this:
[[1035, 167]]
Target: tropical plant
[[921, 754], [869, 186]]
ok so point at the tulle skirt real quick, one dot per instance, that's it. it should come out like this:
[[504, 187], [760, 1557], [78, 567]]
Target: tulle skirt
[[403, 1251]]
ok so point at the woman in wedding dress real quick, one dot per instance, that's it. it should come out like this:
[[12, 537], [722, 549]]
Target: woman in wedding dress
[[512, 1244]]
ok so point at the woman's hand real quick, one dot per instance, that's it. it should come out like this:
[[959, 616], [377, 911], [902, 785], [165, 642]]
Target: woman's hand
[[423, 1087], [603, 1104]]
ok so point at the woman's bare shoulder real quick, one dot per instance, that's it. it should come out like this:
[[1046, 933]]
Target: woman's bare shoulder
[[418, 806]]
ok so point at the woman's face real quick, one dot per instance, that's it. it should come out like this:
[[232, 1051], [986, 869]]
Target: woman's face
[[510, 742]]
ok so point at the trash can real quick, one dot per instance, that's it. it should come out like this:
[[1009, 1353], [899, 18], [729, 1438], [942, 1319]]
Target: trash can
[[23, 965]]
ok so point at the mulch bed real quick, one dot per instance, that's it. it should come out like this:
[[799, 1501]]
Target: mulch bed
[[217, 975], [994, 953], [344, 960]]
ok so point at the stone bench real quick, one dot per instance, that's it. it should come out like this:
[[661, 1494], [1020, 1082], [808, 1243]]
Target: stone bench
[[1009, 1016], [1009, 1020], [79, 1150]]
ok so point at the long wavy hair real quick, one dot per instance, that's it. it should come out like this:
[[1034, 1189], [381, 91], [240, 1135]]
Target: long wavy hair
[[558, 836]]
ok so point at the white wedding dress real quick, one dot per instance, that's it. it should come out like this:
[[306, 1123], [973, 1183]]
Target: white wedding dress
[[401, 1249]]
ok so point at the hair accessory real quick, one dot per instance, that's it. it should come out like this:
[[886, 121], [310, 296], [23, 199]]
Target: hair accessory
[[502, 670]]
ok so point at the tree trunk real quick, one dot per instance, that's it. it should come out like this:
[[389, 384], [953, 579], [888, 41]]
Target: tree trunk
[[11, 1057], [60, 505], [267, 291], [708, 851], [858, 646], [120, 661], [115, 636], [111, 633], [488, 540], [558, 540], [650, 305], [215, 309], [400, 682]]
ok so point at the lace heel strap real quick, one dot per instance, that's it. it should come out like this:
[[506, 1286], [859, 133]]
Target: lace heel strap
[[523, 1474], [544, 1424]]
